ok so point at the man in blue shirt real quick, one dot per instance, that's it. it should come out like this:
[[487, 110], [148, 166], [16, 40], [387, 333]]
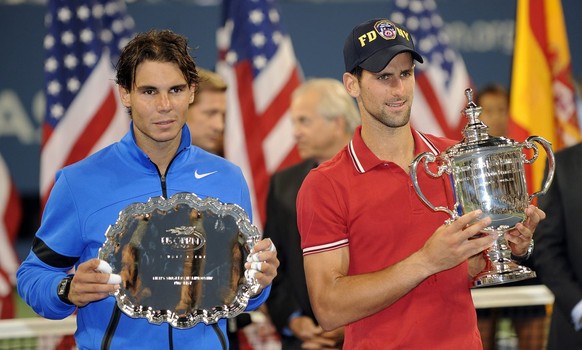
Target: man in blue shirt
[[157, 79]]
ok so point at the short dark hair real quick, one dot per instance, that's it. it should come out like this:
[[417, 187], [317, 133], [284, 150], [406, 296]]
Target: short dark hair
[[491, 89], [154, 45], [357, 72]]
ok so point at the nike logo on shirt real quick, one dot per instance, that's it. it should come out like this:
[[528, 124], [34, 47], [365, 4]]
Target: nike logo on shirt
[[203, 175]]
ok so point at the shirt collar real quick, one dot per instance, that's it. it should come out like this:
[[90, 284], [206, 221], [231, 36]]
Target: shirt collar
[[363, 159]]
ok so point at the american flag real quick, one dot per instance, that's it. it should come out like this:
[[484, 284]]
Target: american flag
[[442, 79], [83, 112], [258, 62], [10, 214]]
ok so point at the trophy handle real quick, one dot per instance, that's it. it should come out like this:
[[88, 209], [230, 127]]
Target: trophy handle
[[551, 161], [441, 169]]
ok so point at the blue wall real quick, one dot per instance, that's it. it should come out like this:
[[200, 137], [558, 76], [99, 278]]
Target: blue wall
[[482, 31]]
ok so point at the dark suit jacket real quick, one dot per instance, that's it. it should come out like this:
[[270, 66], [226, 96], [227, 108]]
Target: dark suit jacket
[[558, 246], [289, 289]]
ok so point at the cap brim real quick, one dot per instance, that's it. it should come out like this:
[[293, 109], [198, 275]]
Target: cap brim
[[381, 58]]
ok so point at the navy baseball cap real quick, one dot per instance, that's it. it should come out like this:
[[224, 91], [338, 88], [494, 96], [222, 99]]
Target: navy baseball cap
[[374, 43]]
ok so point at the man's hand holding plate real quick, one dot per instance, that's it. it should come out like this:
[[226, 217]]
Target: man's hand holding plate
[[262, 263]]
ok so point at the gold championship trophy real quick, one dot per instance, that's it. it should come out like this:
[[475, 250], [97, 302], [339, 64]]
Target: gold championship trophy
[[181, 260], [488, 173]]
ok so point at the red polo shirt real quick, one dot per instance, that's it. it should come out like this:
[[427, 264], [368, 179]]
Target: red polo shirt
[[369, 205]]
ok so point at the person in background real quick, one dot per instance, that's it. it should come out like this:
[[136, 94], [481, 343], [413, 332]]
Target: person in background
[[156, 79], [494, 101], [324, 118], [558, 253], [378, 260], [206, 121], [206, 114], [529, 322]]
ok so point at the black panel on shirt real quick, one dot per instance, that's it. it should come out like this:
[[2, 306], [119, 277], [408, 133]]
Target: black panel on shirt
[[50, 257]]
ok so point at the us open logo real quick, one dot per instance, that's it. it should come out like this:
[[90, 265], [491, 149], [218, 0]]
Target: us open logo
[[184, 238]]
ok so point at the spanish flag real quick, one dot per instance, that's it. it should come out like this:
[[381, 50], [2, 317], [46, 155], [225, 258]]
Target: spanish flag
[[543, 98]]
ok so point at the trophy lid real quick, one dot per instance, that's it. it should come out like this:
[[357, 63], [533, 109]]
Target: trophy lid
[[476, 136]]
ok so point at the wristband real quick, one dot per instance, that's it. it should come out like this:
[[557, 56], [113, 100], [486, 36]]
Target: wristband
[[63, 289], [527, 255]]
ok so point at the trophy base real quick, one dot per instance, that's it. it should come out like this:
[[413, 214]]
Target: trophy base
[[503, 272]]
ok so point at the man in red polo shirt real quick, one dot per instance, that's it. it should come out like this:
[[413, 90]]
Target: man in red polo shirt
[[378, 260]]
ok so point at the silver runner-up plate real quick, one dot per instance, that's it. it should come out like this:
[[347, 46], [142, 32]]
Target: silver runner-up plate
[[181, 260]]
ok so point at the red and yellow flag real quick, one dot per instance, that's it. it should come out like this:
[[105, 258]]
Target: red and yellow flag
[[543, 100]]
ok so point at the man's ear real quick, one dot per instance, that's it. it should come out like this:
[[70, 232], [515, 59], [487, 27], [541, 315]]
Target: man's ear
[[351, 84], [124, 96], [192, 93]]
